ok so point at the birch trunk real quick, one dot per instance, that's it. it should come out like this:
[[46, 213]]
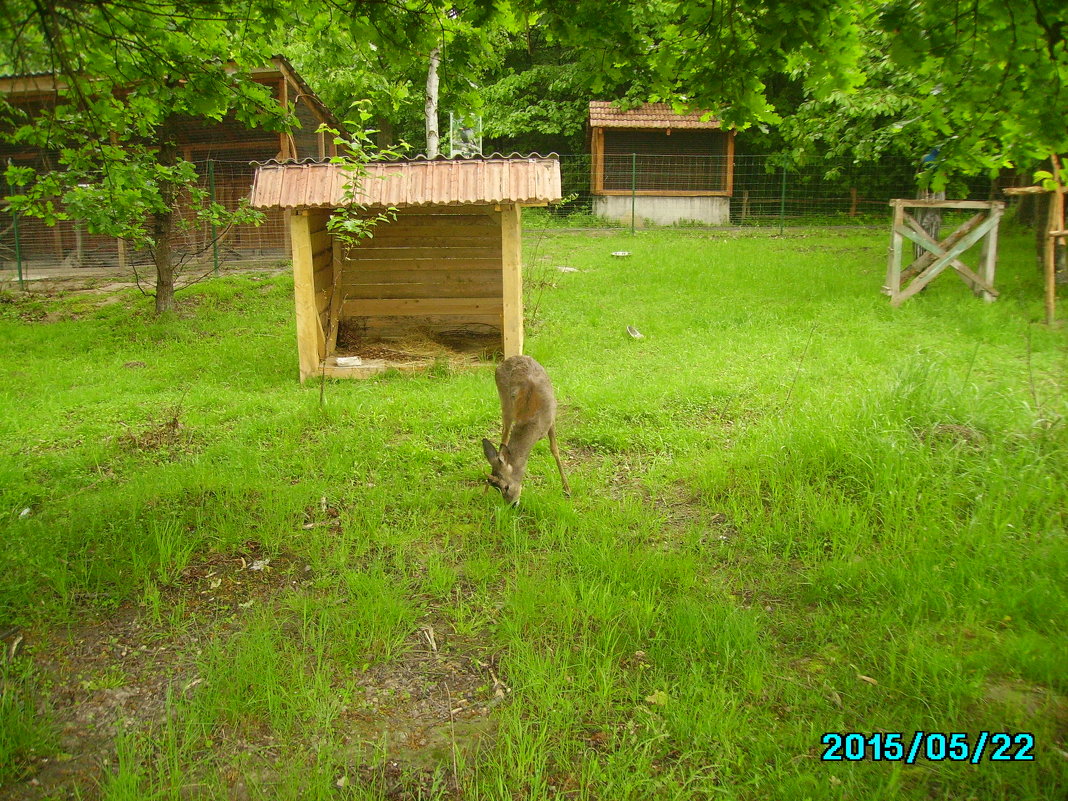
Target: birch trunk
[[432, 138]]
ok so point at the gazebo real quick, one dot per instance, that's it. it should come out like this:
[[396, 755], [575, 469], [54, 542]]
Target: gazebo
[[448, 263]]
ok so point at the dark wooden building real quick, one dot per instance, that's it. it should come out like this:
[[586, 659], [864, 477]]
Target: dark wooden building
[[223, 152], [653, 164]]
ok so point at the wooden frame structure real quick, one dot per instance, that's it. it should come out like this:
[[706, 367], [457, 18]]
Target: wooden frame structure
[[1056, 235], [903, 283], [450, 259]]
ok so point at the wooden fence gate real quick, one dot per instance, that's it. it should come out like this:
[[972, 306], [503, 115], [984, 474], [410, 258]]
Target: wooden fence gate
[[902, 284]]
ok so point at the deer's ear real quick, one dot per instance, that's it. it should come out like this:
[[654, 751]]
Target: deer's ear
[[505, 455], [489, 451]]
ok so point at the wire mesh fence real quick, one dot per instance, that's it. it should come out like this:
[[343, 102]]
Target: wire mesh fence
[[607, 191], [644, 190], [28, 245]]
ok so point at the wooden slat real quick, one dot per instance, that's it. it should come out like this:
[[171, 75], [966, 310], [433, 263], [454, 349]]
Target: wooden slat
[[479, 225], [487, 289], [390, 252], [476, 283], [405, 323], [421, 306], [321, 240], [414, 239], [439, 263]]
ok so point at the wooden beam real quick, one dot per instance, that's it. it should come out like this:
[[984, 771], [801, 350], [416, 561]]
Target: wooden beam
[[916, 203], [512, 267], [308, 326], [666, 193], [418, 307]]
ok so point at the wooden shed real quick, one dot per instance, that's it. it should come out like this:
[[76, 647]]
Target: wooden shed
[[221, 150], [651, 163], [449, 265]]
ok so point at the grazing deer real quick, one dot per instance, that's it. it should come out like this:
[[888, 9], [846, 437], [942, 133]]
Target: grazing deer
[[528, 409]]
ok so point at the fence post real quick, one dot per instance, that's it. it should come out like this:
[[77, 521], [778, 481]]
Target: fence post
[[18, 242], [214, 233], [633, 187], [782, 203]]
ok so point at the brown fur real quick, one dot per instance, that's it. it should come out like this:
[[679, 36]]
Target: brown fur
[[528, 412]]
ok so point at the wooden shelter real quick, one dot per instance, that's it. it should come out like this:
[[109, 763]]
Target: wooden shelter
[[903, 283], [651, 163], [221, 149], [447, 264]]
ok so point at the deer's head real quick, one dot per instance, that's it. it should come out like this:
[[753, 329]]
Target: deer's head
[[506, 476]]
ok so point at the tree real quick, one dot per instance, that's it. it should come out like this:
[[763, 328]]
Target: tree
[[984, 80], [126, 75]]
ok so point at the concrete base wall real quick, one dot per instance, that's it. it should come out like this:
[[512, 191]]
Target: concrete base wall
[[664, 210]]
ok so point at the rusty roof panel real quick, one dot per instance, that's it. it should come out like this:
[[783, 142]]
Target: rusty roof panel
[[651, 115], [439, 182]]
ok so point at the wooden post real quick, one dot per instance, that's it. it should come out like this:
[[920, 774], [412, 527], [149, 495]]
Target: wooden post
[[597, 155], [304, 294], [897, 240], [989, 258], [1054, 222], [512, 265], [852, 201]]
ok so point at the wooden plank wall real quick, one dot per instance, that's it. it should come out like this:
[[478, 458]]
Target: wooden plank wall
[[431, 268]]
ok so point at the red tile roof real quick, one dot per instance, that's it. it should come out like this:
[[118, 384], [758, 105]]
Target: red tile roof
[[532, 180], [651, 115]]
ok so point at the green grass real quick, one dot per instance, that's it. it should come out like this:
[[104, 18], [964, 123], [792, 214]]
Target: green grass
[[795, 510]]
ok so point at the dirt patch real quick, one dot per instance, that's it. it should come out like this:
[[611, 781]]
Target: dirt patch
[[1015, 705], [409, 722], [952, 435], [421, 714]]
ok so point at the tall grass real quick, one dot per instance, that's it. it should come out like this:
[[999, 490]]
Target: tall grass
[[795, 510]]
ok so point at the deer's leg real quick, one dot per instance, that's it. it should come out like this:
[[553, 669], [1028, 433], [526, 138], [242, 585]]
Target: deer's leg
[[559, 463]]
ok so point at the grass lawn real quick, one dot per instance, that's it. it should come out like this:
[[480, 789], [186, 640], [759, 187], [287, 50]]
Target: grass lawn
[[795, 511]]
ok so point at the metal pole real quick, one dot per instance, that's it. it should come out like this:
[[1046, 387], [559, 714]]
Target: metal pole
[[18, 242], [633, 187], [214, 233], [782, 203]]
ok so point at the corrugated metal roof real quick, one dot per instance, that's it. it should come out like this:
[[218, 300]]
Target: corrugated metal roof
[[529, 180], [605, 114]]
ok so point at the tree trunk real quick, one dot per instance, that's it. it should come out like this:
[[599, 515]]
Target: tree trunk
[[1060, 253], [163, 221], [432, 146], [385, 134]]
